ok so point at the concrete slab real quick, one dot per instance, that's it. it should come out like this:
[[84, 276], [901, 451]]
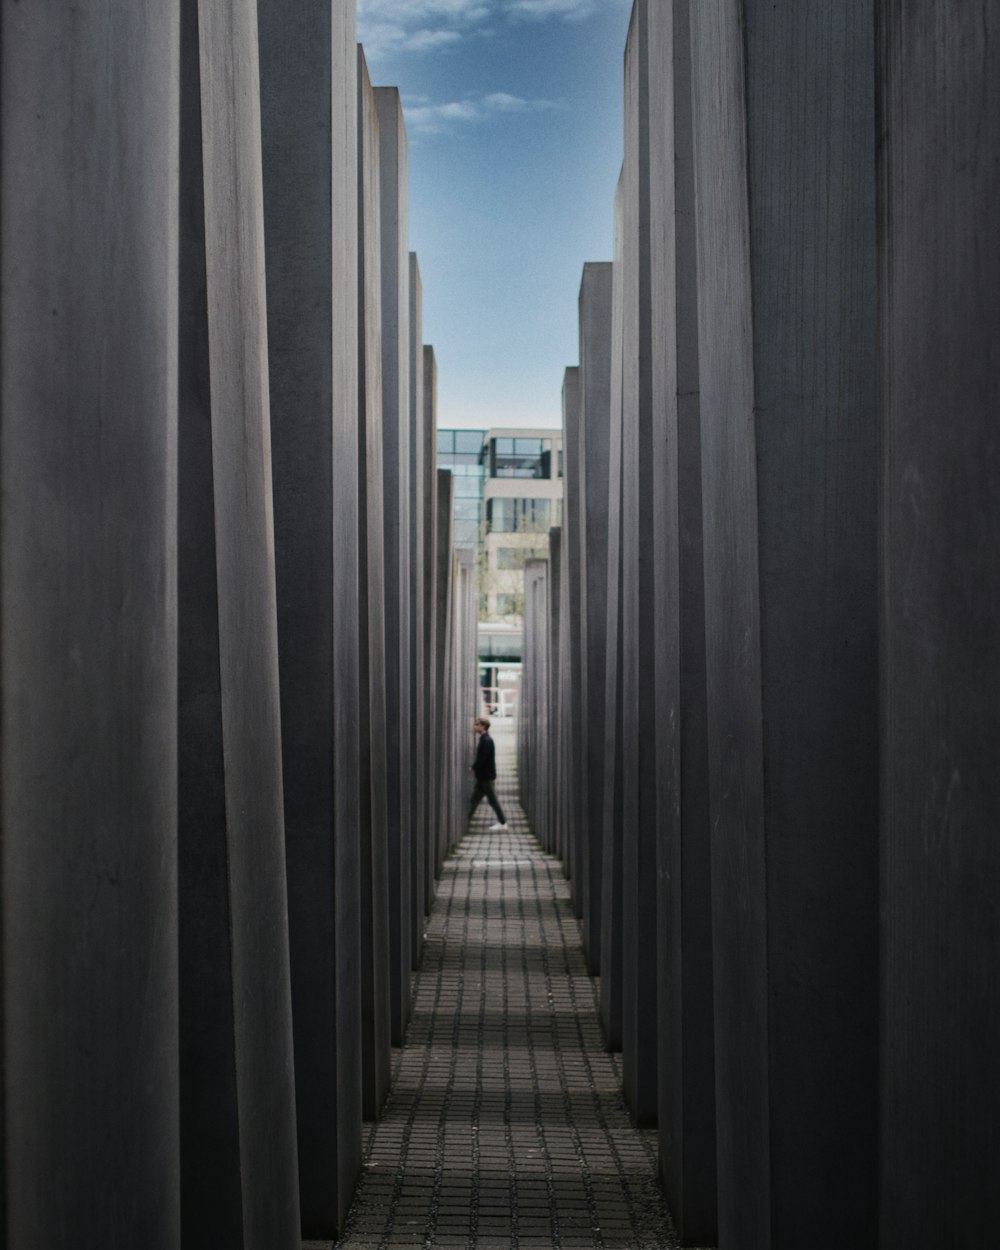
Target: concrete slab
[[88, 458], [396, 533], [433, 723], [611, 891], [574, 852], [373, 817], [310, 162], [787, 332], [416, 734], [939, 277], [595, 318], [642, 731], [685, 1036], [444, 597], [555, 798], [237, 1108]]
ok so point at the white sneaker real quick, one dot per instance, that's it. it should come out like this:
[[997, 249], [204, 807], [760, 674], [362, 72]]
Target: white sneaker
[[496, 828]]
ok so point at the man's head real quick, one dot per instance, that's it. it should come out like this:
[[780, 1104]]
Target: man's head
[[481, 725]]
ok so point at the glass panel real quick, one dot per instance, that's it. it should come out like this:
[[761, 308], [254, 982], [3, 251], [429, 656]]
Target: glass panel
[[446, 441], [467, 509], [469, 442]]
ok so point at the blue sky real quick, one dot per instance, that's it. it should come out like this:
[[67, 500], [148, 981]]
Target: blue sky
[[514, 118]]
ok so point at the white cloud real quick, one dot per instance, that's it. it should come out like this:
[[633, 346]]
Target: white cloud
[[426, 118], [540, 10], [421, 25]]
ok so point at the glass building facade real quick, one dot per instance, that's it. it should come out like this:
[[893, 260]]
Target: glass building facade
[[461, 451]]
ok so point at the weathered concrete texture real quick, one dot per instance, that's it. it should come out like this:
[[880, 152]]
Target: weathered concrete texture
[[373, 821], [533, 720], [611, 889], [444, 639], [787, 333], [308, 125], [433, 724], [576, 730], [685, 1037], [88, 610], [552, 695], [644, 736], [237, 1109], [595, 317], [395, 261], [940, 390], [414, 733]]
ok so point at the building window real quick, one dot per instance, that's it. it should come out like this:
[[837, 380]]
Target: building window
[[521, 457], [519, 516]]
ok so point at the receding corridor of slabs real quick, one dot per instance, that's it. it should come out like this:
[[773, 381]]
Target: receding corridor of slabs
[[505, 1126]]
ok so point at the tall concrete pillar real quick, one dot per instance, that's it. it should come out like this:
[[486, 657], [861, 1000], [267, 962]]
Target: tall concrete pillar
[[685, 1035], [555, 797], [396, 440], [308, 115], [645, 736], [375, 961], [432, 724], [939, 278], [595, 401], [237, 1109], [88, 457], [612, 899], [444, 595], [576, 738], [415, 734], [786, 318]]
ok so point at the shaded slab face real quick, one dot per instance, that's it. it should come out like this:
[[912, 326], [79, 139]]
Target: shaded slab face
[[395, 261], [595, 325], [237, 1091], [641, 729], [373, 827], [939, 277], [611, 892], [308, 102], [88, 609], [787, 307], [685, 1024]]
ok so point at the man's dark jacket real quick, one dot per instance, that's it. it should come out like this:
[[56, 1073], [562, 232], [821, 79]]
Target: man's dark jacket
[[485, 766]]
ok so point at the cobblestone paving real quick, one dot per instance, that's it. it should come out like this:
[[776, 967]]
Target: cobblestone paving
[[505, 1126]]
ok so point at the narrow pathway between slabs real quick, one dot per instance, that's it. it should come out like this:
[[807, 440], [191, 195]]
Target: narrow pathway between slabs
[[505, 1126]]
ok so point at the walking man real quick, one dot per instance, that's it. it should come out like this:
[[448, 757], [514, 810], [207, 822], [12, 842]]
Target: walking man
[[485, 768]]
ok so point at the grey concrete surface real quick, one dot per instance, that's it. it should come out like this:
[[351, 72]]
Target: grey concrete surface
[[237, 1106], [595, 318], [552, 694], [433, 723], [611, 891], [939, 278], [685, 1029], [644, 736], [308, 124], [88, 341], [574, 850], [397, 519], [444, 641], [787, 352], [373, 821], [414, 734]]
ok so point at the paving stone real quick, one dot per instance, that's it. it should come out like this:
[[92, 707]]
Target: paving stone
[[505, 1125]]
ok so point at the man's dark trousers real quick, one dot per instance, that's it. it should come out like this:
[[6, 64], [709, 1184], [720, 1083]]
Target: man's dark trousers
[[484, 790]]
